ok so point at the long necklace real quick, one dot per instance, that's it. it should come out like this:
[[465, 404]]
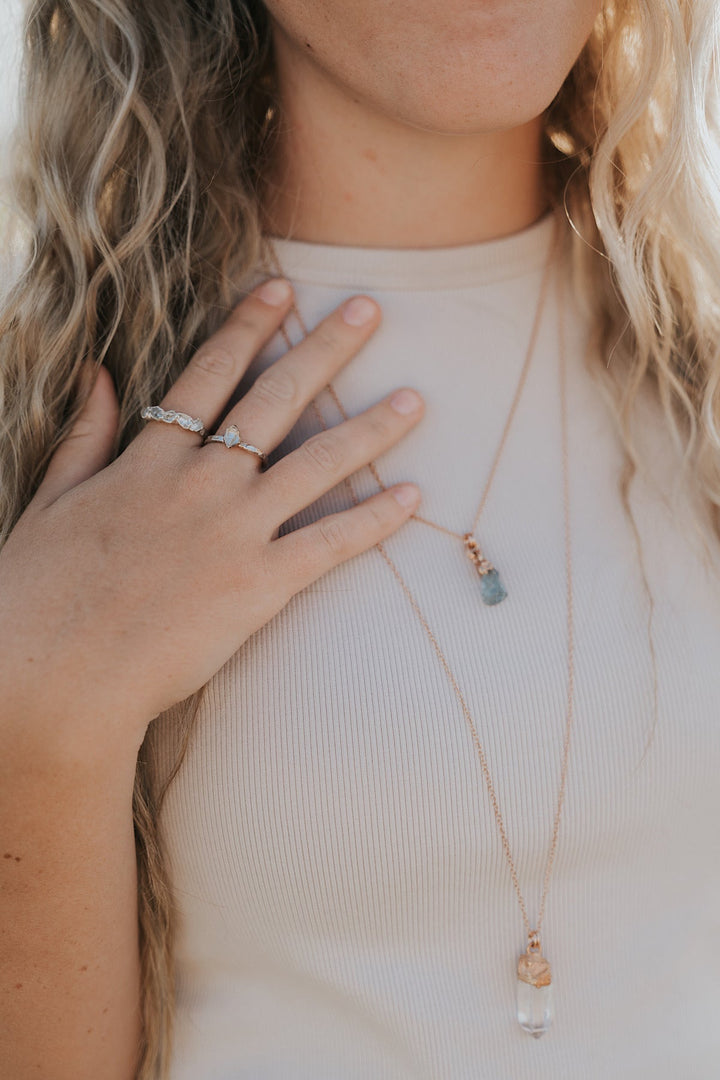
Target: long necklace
[[534, 985]]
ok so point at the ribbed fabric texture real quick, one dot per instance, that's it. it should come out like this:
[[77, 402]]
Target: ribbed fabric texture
[[346, 909]]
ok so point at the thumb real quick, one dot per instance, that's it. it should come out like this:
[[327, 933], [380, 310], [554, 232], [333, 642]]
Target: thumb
[[88, 446]]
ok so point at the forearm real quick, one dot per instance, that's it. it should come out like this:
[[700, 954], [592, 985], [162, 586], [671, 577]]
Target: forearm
[[68, 913]]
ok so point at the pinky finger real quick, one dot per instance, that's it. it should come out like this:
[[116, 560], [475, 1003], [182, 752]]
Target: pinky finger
[[310, 552]]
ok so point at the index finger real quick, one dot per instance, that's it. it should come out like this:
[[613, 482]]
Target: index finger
[[213, 372]]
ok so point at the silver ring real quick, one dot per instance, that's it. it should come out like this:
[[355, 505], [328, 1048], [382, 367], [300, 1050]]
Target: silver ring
[[232, 437], [169, 416]]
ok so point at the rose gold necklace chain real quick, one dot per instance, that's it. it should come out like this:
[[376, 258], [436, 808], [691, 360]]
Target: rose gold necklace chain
[[533, 970], [492, 590]]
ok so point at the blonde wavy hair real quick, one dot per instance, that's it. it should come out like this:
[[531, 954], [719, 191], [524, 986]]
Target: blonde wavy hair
[[137, 176]]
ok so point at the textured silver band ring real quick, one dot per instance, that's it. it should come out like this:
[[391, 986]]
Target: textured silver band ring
[[169, 416], [232, 437]]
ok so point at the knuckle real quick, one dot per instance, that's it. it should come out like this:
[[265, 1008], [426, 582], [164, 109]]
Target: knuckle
[[326, 338], [333, 536], [216, 360], [275, 386], [267, 569], [379, 513], [143, 455], [199, 478], [252, 572], [324, 452], [246, 323], [379, 425]]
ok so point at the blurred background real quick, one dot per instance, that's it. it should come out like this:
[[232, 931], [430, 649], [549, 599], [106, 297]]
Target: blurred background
[[10, 46], [10, 30]]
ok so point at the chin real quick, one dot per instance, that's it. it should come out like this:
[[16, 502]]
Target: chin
[[485, 109], [457, 67]]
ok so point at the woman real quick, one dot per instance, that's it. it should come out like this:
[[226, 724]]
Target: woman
[[357, 761]]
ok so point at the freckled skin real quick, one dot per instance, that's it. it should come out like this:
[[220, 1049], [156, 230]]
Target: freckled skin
[[461, 66], [413, 123]]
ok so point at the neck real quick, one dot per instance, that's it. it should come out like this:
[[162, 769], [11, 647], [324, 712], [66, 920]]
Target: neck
[[344, 173]]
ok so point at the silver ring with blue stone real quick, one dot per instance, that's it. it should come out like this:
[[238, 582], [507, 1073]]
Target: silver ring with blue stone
[[231, 437]]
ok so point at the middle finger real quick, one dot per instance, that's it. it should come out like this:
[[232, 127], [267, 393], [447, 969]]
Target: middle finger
[[280, 394], [325, 459]]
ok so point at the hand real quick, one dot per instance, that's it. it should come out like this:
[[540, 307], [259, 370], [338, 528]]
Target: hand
[[127, 585]]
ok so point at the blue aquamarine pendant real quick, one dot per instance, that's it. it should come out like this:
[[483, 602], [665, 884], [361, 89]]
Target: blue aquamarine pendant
[[492, 589]]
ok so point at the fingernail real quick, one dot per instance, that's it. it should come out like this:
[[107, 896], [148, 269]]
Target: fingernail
[[405, 402], [274, 292], [359, 310], [407, 495]]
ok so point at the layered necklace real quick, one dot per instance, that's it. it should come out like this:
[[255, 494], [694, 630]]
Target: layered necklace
[[534, 984]]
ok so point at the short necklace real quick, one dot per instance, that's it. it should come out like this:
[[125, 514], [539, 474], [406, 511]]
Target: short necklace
[[534, 986], [492, 589]]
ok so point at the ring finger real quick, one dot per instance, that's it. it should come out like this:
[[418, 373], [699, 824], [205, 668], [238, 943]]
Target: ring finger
[[206, 384]]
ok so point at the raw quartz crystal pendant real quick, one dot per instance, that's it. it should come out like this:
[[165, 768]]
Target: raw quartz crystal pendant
[[534, 989], [492, 589]]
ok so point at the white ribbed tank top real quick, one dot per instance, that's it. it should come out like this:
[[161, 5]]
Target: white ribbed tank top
[[346, 910]]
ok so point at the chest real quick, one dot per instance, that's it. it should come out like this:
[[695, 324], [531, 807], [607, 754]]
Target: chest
[[332, 783]]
